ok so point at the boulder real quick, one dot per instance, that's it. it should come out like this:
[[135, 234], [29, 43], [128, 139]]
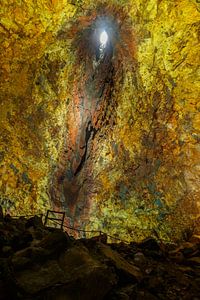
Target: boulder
[[195, 239], [176, 256], [29, 256], [7, 251], [75, 275], [123, 293], [20, 223], [55, 241], [126, 270], [8, 218], [139, 259], [187, 249], [49, 246], [39, 276], [124, 249], [95, 279], [21, 240], [35, 221], [146, 295], [149, 244], [194, 261], [100, 238]]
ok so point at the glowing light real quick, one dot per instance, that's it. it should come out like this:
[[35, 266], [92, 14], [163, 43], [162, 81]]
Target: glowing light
[[103, 38]]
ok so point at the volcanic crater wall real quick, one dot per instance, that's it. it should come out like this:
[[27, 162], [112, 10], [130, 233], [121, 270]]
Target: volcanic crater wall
[[113, 140]]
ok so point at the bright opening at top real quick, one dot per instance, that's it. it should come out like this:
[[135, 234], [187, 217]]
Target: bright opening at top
[[103, 38]]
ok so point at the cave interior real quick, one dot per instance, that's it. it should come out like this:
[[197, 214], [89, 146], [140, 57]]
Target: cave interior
[[100, 119]]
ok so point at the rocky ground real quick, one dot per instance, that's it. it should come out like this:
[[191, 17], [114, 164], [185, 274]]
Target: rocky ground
[[46, 263]]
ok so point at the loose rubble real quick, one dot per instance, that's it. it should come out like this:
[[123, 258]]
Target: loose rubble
[[46, 263]]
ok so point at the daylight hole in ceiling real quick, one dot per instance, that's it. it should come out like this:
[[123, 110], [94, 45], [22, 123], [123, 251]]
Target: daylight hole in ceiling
[[103, 38]]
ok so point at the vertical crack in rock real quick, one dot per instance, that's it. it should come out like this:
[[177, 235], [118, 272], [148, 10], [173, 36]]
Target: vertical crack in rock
[[98, 72], [90, 134]]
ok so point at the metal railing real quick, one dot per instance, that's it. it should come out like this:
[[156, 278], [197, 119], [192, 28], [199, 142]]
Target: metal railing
[[99, 232], [60, 222]]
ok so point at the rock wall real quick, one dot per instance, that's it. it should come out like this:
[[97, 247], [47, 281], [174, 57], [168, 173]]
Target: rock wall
[[33, 101], [113, 141]]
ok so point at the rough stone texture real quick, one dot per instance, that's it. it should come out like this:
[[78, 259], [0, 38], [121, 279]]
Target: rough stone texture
[[115, 142], [56, 266], [32, 100], [127, 270]]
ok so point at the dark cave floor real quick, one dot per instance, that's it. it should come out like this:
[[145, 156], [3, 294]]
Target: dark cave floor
[[46, 263]]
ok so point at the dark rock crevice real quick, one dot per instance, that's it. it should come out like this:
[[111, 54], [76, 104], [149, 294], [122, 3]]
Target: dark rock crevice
[[98, 75], [90, 134]]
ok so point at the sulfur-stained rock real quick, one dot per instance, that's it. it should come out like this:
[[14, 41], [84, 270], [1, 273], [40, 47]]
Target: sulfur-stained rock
[[110, 136]]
